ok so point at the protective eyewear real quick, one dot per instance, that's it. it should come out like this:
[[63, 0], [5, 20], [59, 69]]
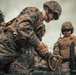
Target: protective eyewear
[[66, 30]]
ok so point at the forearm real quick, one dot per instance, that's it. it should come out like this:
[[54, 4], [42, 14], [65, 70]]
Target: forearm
[[56, 48]]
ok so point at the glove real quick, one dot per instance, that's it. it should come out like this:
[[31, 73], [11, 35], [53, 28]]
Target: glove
[[42, 49], [58, 56], [54, 62]]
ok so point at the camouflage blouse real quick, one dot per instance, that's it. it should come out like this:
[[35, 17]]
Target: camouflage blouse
[[30, 26]]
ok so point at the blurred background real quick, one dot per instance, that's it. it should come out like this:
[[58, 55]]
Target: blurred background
[[11, 8]]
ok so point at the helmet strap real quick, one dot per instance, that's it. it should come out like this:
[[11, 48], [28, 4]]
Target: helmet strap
[[47, 15]]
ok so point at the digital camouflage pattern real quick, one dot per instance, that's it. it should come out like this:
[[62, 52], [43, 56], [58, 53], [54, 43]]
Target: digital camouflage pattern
[[54, 7], [24, 32], [67, 25], [2, 25], [62, 47], [26, 27]]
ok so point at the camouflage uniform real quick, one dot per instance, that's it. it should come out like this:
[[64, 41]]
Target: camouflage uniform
[[2, 25], [29, 27], [62, 46], [24, 33]]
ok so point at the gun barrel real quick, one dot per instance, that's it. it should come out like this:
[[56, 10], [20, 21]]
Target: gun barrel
[[72, 59], [72, 56]]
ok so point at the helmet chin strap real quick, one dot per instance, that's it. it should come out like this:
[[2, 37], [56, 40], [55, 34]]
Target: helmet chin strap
[[48, 19]]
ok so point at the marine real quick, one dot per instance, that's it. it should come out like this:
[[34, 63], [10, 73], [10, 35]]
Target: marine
[[25, 33]]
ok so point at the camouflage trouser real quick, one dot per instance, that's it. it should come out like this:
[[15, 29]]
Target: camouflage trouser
[[65, 67], [9, 54], [18, 67]]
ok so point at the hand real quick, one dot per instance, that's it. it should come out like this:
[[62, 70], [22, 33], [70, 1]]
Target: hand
[[42, 49], [58, 56]]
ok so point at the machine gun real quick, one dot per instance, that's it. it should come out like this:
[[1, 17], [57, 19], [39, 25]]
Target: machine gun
[[72, 59], [46, 73], [52, 68]]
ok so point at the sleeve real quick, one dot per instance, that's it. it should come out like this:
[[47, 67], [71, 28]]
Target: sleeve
[[24, 26], [40, 31], [56, 48], [74, 40]]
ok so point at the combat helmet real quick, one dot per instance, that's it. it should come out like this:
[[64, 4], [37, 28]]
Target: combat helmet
[[54, 7], [67, 26]]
